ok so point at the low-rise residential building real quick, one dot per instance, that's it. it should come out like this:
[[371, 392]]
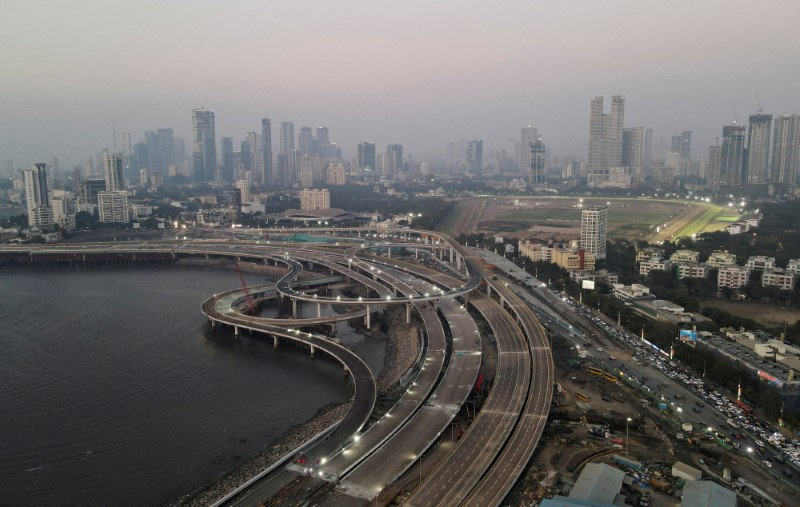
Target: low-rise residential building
[[648, 253], [737, 228], [573, 259], [603, 276], [692, 270], [734, 277], [536, 252], [793, 266], [645, 267], [626, 292], [721, 259], [113, 206], [779, 278], [760, 263], [685, 256]]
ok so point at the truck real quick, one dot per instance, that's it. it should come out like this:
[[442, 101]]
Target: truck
[[662, 486], [626, 462]]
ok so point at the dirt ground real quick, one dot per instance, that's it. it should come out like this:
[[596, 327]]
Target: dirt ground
[[765, 314]]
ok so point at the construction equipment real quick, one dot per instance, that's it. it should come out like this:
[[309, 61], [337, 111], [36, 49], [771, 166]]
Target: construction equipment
[[250, 303]]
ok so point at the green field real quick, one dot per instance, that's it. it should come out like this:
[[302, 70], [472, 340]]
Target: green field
[[450, 220]]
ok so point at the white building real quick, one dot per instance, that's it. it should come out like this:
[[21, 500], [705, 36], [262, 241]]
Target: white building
[[732, 276], [536, 252], [645, 267], [692, 270], [629, 291], [760, 263], [40, 214], [112, 172], [685, 256], [594, 222], [113, 206], [721, 259], [794, 266], [313, 199], [244, 189], [778, 277]]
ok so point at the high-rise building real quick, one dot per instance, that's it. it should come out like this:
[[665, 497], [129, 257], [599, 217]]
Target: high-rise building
[[37, 197], [647, 155], [323, 136], [112, 171], [335, 174], [786, 149], [732, 160], [112, 206], [306, 171], [281, 176], [474, 156], [686, 144], [314, 199], [758, 148], [394, 160], [305, 141], [251, 156], [287, 136], [268, 177], [294, 166], [366, 156], [605, 135], [204, 145], [227, 159], [632, 148], [537, 162], [244, 189], [712, 166], [527, 135], [675, 147], [166, 147], [594, 222]]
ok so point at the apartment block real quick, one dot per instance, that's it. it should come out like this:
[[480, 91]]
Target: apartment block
[[685, 256], [779, 278], [721, 259], [760, 263], [732, 276]]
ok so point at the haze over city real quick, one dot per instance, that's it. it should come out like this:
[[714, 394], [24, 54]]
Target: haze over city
[[417, 73]]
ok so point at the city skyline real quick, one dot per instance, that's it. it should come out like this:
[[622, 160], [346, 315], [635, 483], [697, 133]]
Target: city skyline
[[422, 104]]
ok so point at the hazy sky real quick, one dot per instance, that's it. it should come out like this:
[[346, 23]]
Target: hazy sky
[[420, 73]]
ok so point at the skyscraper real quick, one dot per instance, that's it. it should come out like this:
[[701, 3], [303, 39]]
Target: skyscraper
[[323, 136], [204, 145], [731, 163], [112, 171], [305, 141], [594, 222], [758, 148], [605, 135], [712, 167], [366, 156], [686, 144], [527, 135], [647, 155], [287, 136], [227, 160], [394, 160], [37, 197], [268, 178], [537, 161], [632, 148], [474, 156], [786, 149], [675, 147]]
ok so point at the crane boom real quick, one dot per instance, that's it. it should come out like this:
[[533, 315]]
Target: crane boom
[[250, 302]]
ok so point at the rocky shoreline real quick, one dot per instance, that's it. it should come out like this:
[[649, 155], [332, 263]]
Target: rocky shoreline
[[402, 349]]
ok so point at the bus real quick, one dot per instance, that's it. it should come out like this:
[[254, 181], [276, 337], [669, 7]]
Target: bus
[[744, 406], [595, 370], [582, 397], [609, 377]]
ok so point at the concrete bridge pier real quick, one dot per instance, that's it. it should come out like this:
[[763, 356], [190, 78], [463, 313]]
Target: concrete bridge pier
[[488, 290], [275, 341], [367, 317], [451, 255], [389, 251], [466, 299], [319, 310], [294, 308], [416, 253], [426, 239], [236, 330], [313, 351], [211, 321], [408, 313], [458, 262]]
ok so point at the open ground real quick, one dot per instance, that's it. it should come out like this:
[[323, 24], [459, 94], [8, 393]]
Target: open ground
[[558, 218], [766, 314]]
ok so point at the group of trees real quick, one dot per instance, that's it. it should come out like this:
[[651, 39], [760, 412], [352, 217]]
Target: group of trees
[[362, 199]]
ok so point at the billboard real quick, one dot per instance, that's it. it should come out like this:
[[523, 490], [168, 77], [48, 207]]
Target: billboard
[[687, 335], [769, 378], [509, 248], [587, 284], [498, 239]]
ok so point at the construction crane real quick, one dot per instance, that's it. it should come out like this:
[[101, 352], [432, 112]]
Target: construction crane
[[250, 303]]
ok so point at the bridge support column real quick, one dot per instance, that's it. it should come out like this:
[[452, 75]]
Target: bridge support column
[[466, 299], [458, 262], [389, 251], [408, 313], [367, 317], [319, 310], [416, 253], [275, 341], [236, 330], [294, 308], [313, 351], [210, 321], [426, 239], [451, 255], [488, 290]]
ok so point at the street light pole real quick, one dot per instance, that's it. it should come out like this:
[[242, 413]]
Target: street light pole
[[627, 422]]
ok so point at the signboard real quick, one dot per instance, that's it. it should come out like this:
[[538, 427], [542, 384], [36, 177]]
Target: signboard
[[509, 248], [498, 239], [587, 284], [687, 335]]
